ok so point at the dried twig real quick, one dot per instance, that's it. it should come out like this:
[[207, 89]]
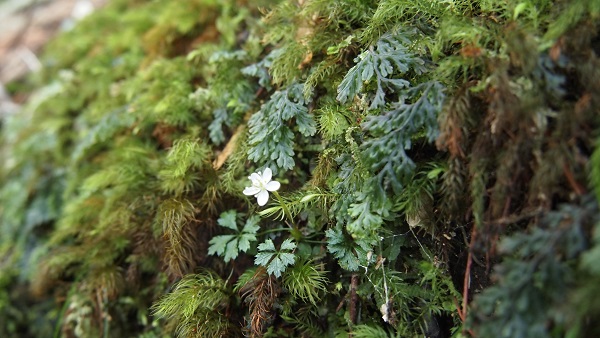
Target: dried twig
[[353, 297]]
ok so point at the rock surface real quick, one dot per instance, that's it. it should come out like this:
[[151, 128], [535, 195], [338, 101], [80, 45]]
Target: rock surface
[[25, 27]]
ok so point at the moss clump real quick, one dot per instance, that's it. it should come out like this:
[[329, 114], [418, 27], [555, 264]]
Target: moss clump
[[436, 159]]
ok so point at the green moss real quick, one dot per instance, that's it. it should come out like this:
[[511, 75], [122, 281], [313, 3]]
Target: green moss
[[408, 138]]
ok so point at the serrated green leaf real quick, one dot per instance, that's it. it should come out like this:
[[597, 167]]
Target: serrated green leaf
[[230, 246], [275, 261], [244, 242], [280, 262], [288, 244], [263, 258], [267, 246], [251, 226], [231, 252], [228, 220], [218, 244], [341, 249], [364, 221]]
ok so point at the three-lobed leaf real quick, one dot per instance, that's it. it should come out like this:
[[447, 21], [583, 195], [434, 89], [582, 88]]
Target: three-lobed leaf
[[229, 246], [276, 261]]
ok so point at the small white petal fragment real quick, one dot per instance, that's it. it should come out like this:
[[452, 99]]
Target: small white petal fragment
[[262, 197], [267, 175], [251, 191], [261, 185], [273, 186]]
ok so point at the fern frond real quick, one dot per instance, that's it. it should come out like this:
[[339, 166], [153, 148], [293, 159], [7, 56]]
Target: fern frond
[[382, 63], [270, 136]]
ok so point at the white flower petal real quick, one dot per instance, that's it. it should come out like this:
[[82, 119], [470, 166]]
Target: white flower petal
[[267, 175], [251, 191], [262, 197], [255, 178], [273, 186]]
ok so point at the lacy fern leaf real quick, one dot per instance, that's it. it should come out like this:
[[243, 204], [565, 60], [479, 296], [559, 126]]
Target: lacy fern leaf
[[271, 138], [394, 130], [348, 253], [383, 63]]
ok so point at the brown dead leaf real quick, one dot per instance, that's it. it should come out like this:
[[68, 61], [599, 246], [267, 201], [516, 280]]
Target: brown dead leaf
[[228, 150], [555, 51]]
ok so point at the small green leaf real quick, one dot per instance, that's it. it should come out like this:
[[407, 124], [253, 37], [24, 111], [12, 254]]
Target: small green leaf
[[263, 258], [231, 252], [280, 262], [251, 226], [267, 246], [275, 261], [244, 242], [288, 245], [218, 244], [230, 246], [341, 249], [228, 220]]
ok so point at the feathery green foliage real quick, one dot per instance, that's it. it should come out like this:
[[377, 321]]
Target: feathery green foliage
[[435, 162], [196, 298], [271, 140], [304, 281]]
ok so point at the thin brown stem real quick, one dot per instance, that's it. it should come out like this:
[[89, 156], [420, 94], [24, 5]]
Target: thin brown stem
[[467, 278], [353, 297]]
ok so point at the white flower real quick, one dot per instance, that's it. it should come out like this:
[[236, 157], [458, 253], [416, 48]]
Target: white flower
[[261, 185]]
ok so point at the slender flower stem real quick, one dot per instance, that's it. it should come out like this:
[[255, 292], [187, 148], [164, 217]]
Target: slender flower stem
[[269, 231]]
